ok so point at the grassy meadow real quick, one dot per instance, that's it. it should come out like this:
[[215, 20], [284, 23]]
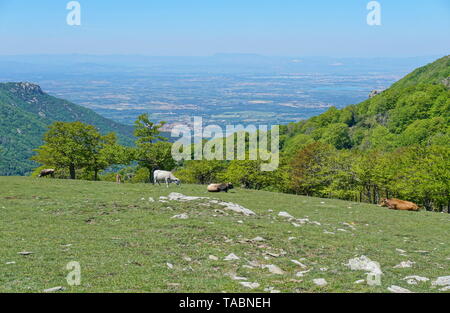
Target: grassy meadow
[[124, 242]]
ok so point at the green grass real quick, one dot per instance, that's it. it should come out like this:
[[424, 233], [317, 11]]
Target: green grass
[[123, 242]]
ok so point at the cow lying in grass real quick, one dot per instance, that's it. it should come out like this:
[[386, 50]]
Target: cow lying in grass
[[164, 176], [396, 204], [47, 172], [220, 187]]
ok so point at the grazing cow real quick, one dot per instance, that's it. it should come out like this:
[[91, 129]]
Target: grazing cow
[[47, 172], [166, 177], [220, 187], [118, 179], [396, 204]]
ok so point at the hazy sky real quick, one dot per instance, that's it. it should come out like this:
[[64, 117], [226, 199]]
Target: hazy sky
[[205, 27]]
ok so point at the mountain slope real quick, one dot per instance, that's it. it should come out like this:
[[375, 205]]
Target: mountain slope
[[25, 113], [123, 243]]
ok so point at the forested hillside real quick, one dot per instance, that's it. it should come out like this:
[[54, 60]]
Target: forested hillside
[[25, 113], [395, 144]]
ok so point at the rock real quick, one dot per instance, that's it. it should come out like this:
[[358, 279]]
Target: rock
[[405, 264], [258, 239], [363, 263], [249, 285], [285, 214], [237, 208], [175, 196], [397, 289], [274, 269], [271, 290], [10, 263], [299, 263], [213, 258], [374, 93], [169, 265], [361, 281], [187, 259], [25, 253], [442, 281], [413, 280], [54, 289], [445, 288], [301, 274], [151, 199], [238, 278], [231, 257], [183, 216], [400, 251], [320, 282]]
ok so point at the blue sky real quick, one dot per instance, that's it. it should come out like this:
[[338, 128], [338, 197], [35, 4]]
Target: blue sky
[[206, 27]]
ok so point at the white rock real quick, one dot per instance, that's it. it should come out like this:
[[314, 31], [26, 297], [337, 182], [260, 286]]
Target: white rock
[[274, 269], [320, 282], [299, 263], [361, 281], [182, 216], [445, 288], [271, 290], [187, 259], [238, 278], [405, 264], [413, 280], [292, 238], [10, 263], [169, 265], [237, 208], [213, 258], [25, 253], [258, 239], [231, 257], [151, 199], [397, 289], [301, 274], [442, 281], [249, 285], [285, 214], [175, 196], [54, 289], [400, 251], [363, 263]]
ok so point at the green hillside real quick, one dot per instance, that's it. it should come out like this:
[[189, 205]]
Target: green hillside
[[126, 243], [25, 113], [415, 110]]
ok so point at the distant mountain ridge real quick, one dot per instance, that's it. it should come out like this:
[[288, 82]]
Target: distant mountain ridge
[[25, 113]]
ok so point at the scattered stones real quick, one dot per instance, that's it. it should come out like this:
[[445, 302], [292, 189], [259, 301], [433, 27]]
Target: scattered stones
[[397, 289], [274, 269], [321, 282], [363, 263], [182, 216], [405, 264], [249, 285], [271, 290], [213, 258], [231, 257], [414, 280], [54, 289], [445, 288], [237, 208], [175, 196]]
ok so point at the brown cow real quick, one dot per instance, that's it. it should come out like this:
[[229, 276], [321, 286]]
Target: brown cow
[[396, 204], [220, 187], [47, 172]]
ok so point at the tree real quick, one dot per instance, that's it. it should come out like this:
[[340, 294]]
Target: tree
[[69, 145], [152, 152]]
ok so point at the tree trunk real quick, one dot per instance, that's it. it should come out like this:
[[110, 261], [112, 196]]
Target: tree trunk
[[95, 175], [72, 171]]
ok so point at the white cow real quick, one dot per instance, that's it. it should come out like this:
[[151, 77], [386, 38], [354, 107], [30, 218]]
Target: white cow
[[166, 177]]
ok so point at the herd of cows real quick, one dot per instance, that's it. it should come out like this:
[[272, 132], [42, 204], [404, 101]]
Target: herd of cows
[[168, 178]]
